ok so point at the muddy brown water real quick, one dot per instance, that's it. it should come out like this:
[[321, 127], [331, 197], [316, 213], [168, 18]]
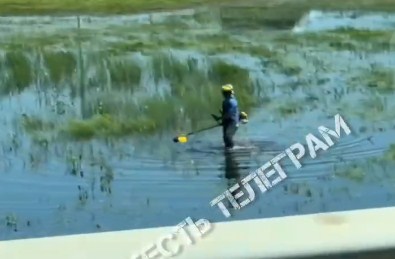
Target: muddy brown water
[[133, 182]]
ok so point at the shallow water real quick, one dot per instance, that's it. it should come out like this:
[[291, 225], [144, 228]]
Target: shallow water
[[319, 21], [69, 187]]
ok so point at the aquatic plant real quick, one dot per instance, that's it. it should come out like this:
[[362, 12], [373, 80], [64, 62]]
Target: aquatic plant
[[60, 64], [121, 47], [18, 68], [162, 112], [340, 39], [389, 155], [83, 195], [375, 39], [11, 221], [115, 112], [34, 123], [124, 74], [377, 108], [207, 17], [106, 178], [41, 139], [106, 125], [291, 64], [381, 79], [353, 172], [224, 73], [307, 39], [166, 66], [287, 109]]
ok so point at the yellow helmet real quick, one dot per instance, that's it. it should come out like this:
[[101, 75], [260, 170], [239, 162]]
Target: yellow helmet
[[227, 88]]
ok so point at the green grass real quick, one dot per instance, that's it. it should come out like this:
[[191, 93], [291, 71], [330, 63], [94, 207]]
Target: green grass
[[24, 7], [114, 112], [193, 95], [288, 108], [192, 98], [164, 111], [166, 66], [353, 173], [135, 40], [290, 65], [340, 39], [22, 68], [34, 124], [365, 35], [61, 65], [381, 80], [156, 114], [368, 40], [389, 155], [107, 126], [124, 73], [372, 108], [19, 69], [187, 80]]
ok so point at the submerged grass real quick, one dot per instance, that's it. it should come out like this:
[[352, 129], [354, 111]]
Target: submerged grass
[[193, 96], [124, 73], [139, 39], [149, 116], [389, 155], [35, 124], [208, 44], [60, 65], [353, 173], [341, 39], [381, 79], [373, 108], [19, 70], [108, 126], [168, 67], [224, 73], [288, 109], [363, 39]]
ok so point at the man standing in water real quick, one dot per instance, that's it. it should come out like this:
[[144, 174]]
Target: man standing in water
[[230, 116]]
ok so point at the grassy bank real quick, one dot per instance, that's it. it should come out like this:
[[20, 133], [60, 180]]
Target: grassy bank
[[271, 10], [33, 7]]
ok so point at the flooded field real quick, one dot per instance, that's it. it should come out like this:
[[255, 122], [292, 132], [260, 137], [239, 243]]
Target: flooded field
[[89, 107]]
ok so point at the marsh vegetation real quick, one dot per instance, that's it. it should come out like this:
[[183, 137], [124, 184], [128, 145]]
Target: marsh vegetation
[[89, 113]]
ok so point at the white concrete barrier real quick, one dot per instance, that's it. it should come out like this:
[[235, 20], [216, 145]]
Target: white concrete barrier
[[263, 238]]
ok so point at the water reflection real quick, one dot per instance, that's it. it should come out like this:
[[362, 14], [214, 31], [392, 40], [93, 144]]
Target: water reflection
[[232, 168]]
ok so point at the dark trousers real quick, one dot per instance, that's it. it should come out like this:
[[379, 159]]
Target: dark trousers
[[229, 129]]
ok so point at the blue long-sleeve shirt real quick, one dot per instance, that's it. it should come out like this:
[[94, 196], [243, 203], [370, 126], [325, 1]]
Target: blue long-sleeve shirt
[[230, 110]]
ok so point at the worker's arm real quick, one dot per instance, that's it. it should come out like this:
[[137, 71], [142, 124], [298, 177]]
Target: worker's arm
[[226, 110], [223, 112]]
